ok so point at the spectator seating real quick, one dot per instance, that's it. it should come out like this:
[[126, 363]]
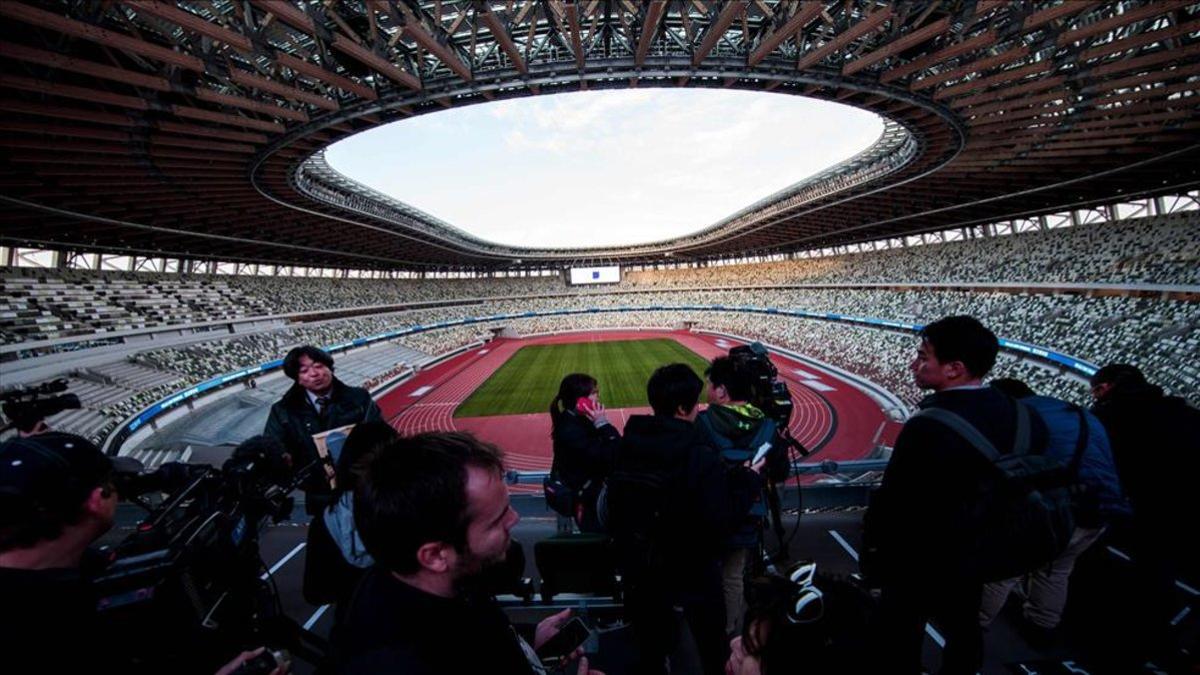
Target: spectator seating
[[41, 304], [1162, 336]]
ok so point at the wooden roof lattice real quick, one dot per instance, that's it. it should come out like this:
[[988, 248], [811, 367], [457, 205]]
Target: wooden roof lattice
[[196, 128]]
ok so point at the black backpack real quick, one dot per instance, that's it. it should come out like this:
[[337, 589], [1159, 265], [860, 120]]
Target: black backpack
[[633, 503], [1024, 514]]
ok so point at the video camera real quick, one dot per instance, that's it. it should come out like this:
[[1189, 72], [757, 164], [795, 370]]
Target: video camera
[[769, 394], [189, 583], [27, 406]]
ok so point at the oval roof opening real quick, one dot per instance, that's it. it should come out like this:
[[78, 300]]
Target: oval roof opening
[[607, 168]]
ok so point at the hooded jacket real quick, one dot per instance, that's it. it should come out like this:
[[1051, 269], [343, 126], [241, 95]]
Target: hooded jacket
[[735, 426]]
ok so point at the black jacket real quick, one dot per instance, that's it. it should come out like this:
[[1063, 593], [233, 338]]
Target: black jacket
[[702, 500], [50, 624], [1156, 447], [391, 627], [583, 452], [293, 421], [922, 518]]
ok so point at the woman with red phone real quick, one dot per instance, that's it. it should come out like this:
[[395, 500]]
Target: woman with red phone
[[584, 446]]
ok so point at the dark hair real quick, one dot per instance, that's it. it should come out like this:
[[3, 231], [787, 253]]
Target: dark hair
[[673, 387], [27, 519], [1013, 387], [1118, 375], [963, 338], [572, 387], [725, 372], [291, 362], [414, 491], [364, 440], [838, 642]]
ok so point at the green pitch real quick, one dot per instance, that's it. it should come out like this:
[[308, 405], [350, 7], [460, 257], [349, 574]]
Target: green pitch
[[529, 379]]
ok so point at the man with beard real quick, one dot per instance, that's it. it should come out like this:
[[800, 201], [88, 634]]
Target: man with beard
[[433, 510]]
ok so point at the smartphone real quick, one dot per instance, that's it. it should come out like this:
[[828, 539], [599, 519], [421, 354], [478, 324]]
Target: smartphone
[[571, 637], [762, 452], [585, 404]]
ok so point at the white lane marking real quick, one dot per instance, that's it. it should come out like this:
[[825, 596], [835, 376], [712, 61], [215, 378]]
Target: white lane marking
[[805, 374], [1120, 554], [312, 620], [819, 386], [936, 636], [282, 561], [845, 544], [1181, 615], [420, 391]]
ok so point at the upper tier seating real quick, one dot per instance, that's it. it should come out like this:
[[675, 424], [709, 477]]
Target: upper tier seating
[[42, 304]]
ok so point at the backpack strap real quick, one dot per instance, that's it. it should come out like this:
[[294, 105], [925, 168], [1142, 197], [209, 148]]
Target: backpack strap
[[704, 424], [1082, 441], [1021, 437], [765, 434], [964, 429], [976, 438]]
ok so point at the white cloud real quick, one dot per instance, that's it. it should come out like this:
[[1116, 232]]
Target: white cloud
[[601, 168]]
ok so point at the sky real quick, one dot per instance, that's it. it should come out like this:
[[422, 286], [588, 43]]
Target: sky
[[603, 168]]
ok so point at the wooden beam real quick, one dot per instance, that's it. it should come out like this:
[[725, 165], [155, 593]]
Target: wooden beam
[[1039, 19], [1126, 18], [414, 29], [192, 22], [225, 118], [46, 58], [66, 113], [289, 92], [809, 10], [654, 13], [71, 91], [328, 77], [716, 29], [196, 130], [898, 45], [289, 14], [866, 25], [572, 11], [250, 104], [184, 142], [985, 39], [378, 63], [500, 33], [86, 31], [970, 67], [70, 130]]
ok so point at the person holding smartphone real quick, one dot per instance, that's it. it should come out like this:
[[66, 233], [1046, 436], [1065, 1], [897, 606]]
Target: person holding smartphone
[[585, 443]]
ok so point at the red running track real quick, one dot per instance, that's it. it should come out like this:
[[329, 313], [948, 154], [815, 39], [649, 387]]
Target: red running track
[[832, 418]]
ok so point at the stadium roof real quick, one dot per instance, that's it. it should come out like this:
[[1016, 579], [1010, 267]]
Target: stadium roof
[[195, 129]]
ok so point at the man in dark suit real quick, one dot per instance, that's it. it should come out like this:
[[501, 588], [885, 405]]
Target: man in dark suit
[[317, 402]]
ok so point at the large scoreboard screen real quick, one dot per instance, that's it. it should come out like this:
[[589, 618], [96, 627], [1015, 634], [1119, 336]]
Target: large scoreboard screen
[[595, 275]]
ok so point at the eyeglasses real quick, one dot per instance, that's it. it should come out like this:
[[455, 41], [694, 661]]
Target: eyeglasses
[[807, 602]]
